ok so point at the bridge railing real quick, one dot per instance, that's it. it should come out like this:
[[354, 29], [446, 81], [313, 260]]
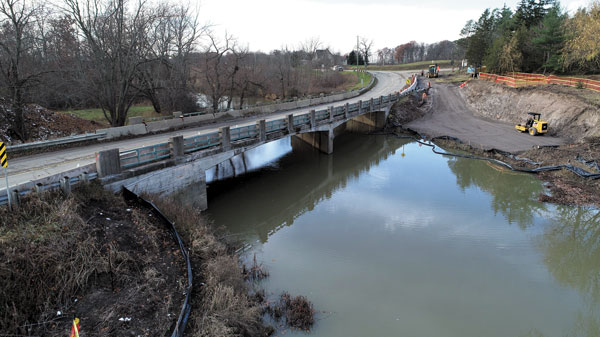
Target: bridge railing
[[244, 132], [200, 142], [144, 155], [276, 125]]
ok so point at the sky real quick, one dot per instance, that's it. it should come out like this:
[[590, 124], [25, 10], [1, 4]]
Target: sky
[[267, 25]]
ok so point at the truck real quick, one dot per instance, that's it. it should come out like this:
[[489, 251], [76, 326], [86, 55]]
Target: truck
[[434, 71]]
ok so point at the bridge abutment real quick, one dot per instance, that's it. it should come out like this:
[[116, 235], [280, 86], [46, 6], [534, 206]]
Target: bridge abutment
[[322, 140]]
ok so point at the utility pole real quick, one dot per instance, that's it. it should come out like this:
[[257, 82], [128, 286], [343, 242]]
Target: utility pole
[[357, 51]]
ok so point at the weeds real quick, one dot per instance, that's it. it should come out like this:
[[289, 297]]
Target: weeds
[[256, 272]]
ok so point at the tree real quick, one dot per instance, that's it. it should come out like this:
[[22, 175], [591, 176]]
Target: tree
[[582, 49], [214, 69], [18, 66], [365, 49], [351, 58], [112, 52], [550, 39]]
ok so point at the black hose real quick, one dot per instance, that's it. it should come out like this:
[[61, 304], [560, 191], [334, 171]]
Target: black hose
[[578, 171], [186, 307]]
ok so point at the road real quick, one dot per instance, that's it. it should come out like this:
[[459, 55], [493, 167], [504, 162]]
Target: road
[[450, 116], [28, 168]]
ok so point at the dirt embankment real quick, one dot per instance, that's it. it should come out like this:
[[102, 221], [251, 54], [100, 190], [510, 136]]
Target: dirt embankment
[[91, 256], [571, 113], [42, 124]]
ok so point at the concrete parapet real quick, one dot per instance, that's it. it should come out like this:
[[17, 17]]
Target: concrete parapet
[[130, 130], [177, 114], [225, 134], [177, 146], [290, 124], [108, 162], [262, 130], [136, 120]]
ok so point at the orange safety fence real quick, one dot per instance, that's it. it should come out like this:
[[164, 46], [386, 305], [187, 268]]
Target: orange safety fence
[[517, 80]]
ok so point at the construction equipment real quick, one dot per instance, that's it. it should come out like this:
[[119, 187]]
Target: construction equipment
[[534, 125], [434, 71]]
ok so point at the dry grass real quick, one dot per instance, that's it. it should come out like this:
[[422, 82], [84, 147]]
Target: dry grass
[[221, 300], [46, 258]]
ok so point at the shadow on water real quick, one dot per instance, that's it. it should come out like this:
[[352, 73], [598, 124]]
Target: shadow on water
[[274, 196]]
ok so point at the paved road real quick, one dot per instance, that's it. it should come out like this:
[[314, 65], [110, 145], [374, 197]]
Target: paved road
[[450, 116], [38, 166]]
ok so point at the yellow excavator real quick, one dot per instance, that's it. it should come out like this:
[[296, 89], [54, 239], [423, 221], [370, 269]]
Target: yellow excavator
[[534, 125]]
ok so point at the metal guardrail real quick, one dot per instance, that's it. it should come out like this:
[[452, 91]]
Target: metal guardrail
[[200, 142], [244, 132], [54, 142], [276, 125], [51, 186], [145, 155]]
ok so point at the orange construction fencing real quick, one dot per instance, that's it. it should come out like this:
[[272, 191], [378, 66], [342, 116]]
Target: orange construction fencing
[[517, 80]]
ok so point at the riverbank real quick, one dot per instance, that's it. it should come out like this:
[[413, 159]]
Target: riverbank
[[91, 256], [566, 187]]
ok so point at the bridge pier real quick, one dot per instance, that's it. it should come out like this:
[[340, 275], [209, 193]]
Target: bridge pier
[[322, 140]]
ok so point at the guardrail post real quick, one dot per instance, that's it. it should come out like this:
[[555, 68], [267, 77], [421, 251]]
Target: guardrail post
[[397, 96], [39, 188], [380, 100], [108, 163], [225, 134], [371, 104], [389, 98], [176, 145], [14, 199], [346, 110], [313, 119], [262, 130], [83, 177], [290, 124], [330, 113], [65, 185], [360, 107]]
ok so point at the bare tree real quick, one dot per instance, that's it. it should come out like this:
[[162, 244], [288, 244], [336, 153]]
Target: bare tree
[[365, 49], [310, 47], [213, 70], [17, 68], [112, 53]]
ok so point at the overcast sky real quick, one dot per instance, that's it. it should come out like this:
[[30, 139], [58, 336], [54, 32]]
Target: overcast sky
[[270, 24]]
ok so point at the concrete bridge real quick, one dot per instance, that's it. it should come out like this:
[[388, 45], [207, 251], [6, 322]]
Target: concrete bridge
[[161, 163], [182, 162]]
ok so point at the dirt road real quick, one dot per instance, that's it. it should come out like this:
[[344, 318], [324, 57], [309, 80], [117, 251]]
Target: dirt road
[[450, 116]]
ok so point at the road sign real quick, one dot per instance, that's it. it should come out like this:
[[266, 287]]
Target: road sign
[[408, 81], [3, 155]]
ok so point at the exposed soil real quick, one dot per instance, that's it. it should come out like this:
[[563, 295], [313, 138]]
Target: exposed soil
[[565, 187], [571, 113], [43, 124], [91, 256]]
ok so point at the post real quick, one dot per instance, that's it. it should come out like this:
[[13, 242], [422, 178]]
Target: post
[[290, 124], [346, 110], [39, 188], [389, 98], [8, 190], [331, 113], [108, 162], [371, 104], [262, 130], [360, 107], [14, 197], [65, 185], [84, 177], [176, 146], [225, 138], [380, 100], [313, 119]]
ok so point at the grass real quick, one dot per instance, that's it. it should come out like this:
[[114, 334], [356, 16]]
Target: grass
[[365, 77], [97, 115], [408, 66]]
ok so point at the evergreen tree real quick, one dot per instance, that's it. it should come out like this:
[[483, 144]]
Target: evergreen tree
[[550, 39]]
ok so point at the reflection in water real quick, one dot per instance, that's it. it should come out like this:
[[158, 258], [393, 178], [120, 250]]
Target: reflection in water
[[395, 240], [513, 194]]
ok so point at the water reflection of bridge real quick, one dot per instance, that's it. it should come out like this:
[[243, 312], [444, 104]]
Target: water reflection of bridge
[[316, 177]]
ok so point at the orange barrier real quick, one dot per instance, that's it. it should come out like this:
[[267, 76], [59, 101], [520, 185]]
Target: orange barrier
[[517, 80]]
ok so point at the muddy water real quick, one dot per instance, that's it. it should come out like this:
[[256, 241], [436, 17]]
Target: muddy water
[[388, 239]]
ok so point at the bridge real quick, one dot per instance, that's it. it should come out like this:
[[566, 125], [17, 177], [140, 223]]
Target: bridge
[[165, 167]]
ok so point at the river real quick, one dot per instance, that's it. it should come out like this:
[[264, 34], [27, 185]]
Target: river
[[387, 238]]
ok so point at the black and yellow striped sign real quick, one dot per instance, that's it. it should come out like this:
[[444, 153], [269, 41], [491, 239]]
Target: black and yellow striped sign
[[3, 155]]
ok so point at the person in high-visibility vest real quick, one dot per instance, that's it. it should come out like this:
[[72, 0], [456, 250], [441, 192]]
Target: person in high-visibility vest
[[75, 328]]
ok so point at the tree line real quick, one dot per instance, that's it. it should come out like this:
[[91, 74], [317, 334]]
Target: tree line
[[538, 36], [112, 54]]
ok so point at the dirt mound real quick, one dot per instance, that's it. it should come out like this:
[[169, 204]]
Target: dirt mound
[[568, 112], [42, 124], [407, 110]]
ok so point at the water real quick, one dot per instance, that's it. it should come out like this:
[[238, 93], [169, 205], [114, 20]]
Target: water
[[388, 239]]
